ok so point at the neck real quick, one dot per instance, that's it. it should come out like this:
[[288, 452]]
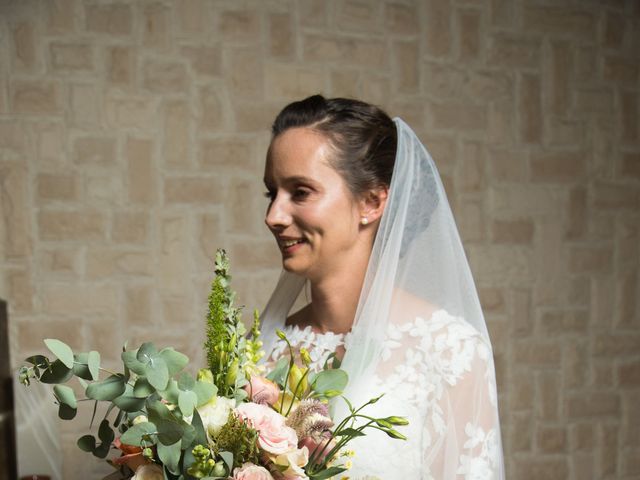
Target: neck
[[334, 299]]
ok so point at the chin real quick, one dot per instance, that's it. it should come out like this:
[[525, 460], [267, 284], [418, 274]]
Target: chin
[[293, 266]]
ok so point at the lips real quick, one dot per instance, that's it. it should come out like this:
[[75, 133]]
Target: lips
[[289, 244]]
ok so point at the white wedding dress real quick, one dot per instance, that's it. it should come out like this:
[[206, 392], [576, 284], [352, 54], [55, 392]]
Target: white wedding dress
[[418, 336]]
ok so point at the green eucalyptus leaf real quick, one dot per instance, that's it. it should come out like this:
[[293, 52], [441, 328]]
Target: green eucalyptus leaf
[[81, 367], [57, 372], [329, 380], [65, 395], [105, 432], [146, 351], [187, 401], [37, 360], [204, 391], [94, 364], [108, 389], [170, 456], [279, 372], [83, 383], [157, 372], [175, 360], [129, 403], [188, 435], [136, 434], [142, 388], [60, 350], [186, 381], [65, 412], [170, 429], [87, 443], [227, 457], [172, 393], [132, 363], [200, 432]]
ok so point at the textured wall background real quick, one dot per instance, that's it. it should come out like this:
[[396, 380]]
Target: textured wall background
[[132, 136]]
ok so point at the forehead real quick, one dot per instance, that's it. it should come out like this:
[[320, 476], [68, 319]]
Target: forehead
[[298, 152]]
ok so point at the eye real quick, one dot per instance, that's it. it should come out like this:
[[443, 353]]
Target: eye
[[300, 193], [270, 194]]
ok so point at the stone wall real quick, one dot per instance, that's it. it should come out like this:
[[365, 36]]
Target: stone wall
[[132, 137]]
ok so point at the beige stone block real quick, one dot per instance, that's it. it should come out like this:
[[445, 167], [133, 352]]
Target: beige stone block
[[13, 137], [548, 399], [580, 23], [621, 71], [590, 259], [175, 309], [86, 107], [502, 12], [602, 374], [520, 200], [520, 312], [627, 300], [210, 234], [613, 34], [313, 13], [15, 210], [606, 461], [575, 364], [193, 17], [506, 165], [227, 151], [212, 116], [376, 88], [242, 25], [61, 15], [631, 165], [71, 57], [630, 435], [630, 462], [458, 115], [245, 213], [521, 439], [581, 437], [538, 353], [35, 97], [345, 83], [529, 103], [343, 49], [20, 291], [558, 166], [281, 35], [471, 172], [131, 111], [629, 109], [111, 19], [25, 48], [614, 196], [31, 334], [471, 221], [204, 60], [104, 190], [194, 190], [560, 66], [157, 31], [469, 35], [593, 100], [513, 50], [73, 299], [552, 440], [107, 336], [130, 227], [177, 140], [406, 66], [77, 225], [252, 117], [492, 299], [289, 82], [615, 344], [521, 394], [94, 151], [120, 65], [165, 76], [173, 262], [628, 374], [560, 131], [61, 262], [61, 187], [596, 404], [358, 16], [513, 231], [104, 263], [501, 263], [138, 307], [245, 72], [550, 468], [561, 322], [254, 254], [437, 28], [576, 226], [141, 171], [401, 19]]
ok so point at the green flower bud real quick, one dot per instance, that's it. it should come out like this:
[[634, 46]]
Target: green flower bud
[[147, 453], [305, 356], [395, 434], [397, 420], [219, 470], [205, 375], [281, 334]]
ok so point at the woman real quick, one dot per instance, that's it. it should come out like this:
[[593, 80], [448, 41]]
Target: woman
[[360, 215]]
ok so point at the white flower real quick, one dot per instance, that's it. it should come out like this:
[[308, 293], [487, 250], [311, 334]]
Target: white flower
[[294, 461], [148, 472], [215, 414]]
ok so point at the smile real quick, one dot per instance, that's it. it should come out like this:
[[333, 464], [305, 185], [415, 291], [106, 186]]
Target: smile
[[288, 244]]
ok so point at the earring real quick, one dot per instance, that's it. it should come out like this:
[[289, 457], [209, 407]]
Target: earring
[[364, 220]]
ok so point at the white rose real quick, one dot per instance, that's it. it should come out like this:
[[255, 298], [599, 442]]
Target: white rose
[[148, 472], [293, 462], [215, 414]]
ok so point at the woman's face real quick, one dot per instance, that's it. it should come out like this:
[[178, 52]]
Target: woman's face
[[312, 213]]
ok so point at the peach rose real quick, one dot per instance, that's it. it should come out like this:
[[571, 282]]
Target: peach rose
[[273, 434], [131, 455], [249, 471], [149, 472], [318, 448], [262, 390]]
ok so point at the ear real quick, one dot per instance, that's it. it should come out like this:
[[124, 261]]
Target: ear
[[372, 204]]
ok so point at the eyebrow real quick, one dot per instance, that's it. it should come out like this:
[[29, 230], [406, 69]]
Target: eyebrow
[[293, 179]]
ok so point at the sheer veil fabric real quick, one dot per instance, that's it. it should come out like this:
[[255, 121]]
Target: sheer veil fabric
[[419, 337]]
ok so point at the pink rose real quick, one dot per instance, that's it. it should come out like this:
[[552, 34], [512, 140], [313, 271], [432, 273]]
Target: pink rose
[[262, 390], [249, 471], [273, 434]]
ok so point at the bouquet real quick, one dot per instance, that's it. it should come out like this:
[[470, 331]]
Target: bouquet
[[233, 420]]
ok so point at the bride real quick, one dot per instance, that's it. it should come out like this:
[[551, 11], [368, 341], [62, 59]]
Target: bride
[[360, 216]]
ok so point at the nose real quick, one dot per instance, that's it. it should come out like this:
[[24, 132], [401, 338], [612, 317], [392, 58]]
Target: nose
[[277, 216]]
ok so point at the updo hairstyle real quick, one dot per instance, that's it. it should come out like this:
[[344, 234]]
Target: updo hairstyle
[[363, 137]]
